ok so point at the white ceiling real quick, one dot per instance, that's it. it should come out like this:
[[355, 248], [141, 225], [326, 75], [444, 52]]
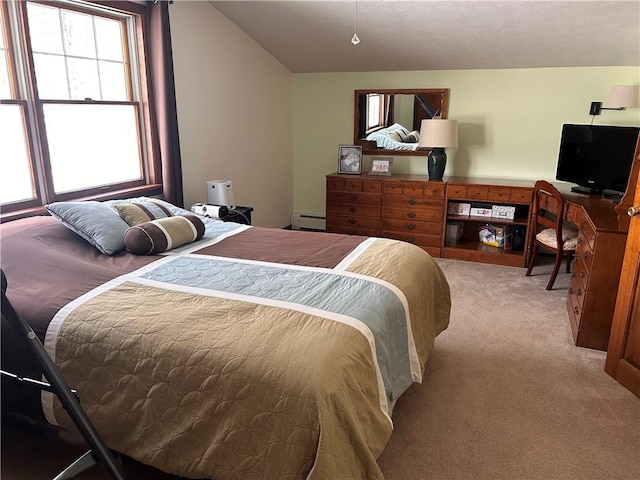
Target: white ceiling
[[400, 35]]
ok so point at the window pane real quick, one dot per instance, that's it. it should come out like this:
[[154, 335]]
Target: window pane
[[15, 171], [109, 39], [112, 80], [44, 27], [51, 76], [78, 34], [92, 145], [83, 79]]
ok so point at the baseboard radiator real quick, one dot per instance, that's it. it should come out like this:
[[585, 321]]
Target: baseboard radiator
[[307, 221]]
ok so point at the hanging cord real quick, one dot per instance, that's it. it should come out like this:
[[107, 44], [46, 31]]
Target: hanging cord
[[355, 40]]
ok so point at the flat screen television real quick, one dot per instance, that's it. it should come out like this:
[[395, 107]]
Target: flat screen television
[[597, 158]]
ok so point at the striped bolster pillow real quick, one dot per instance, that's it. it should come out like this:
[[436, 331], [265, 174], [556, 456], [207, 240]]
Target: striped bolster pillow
[[136, 213], [160, 235]]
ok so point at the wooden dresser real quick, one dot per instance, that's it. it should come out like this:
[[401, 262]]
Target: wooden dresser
[[596, 268], [404, 207]]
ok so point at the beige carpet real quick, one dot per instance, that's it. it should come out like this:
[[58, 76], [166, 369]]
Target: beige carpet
[[506, 396]]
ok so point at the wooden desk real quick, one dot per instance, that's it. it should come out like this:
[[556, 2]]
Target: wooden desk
[[596, 267]]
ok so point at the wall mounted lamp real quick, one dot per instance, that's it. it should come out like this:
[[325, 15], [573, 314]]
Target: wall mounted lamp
[[620, 97]]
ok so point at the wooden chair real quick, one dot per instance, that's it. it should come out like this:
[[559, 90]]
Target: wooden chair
[[550, 231]]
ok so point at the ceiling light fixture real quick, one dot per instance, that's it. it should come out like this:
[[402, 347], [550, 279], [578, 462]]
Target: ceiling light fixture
[[355, 40]]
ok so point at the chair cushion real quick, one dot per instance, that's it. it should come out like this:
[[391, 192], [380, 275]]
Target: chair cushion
[[548, 237]]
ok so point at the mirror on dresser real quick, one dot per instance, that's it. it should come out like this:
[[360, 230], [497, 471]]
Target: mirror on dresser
[[387, 121]]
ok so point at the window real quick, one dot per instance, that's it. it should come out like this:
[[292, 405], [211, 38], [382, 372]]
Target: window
[[74, 109], [375, 111]]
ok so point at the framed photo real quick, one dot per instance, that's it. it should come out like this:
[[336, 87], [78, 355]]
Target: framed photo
[[350, 159], [381, 165]]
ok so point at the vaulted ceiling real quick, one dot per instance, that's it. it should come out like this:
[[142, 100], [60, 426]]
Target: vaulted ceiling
[[399, 35]]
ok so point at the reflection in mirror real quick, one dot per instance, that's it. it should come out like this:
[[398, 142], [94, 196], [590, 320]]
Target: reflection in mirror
[[388, 121]]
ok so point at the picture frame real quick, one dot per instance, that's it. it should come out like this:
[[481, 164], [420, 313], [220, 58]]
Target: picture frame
[[350, 159], [381, 165]]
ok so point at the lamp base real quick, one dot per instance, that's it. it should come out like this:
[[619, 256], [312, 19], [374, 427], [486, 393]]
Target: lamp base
[[436, 163]]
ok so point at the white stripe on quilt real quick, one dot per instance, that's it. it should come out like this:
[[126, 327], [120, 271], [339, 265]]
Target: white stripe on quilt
[[355, 253], [192, 247]]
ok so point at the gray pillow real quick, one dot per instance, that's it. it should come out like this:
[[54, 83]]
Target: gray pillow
[[97, 223]]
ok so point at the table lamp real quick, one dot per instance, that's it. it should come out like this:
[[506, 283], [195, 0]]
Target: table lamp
[[437, 134]]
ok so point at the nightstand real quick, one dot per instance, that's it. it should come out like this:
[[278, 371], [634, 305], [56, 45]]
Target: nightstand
[[239, 215]]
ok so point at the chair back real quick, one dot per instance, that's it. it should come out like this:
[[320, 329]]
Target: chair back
[[548, 206]]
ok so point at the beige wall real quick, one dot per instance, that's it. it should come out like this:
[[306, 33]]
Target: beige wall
[[509, 120], [234, 113]]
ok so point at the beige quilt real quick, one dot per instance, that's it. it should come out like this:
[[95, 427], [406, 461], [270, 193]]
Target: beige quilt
[[208, 383]]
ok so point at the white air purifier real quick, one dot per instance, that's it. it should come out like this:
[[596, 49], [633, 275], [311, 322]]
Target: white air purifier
[[220, 192]]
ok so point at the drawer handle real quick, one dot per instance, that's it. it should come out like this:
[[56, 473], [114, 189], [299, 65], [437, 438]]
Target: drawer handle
[[409, 239], [410, 226], [411, 215], [576, 310], [353, 197], [570, 290], [585, 255], [411, 201], [582, 274], [352, 221], [579, 292], [353, 209], [579, 240]]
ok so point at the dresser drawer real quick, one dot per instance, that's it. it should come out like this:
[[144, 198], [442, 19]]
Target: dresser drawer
[[335, 183], [588, 233], [354, 184], [353, 221], [415, 238], [353, 197], [426, 213], [412, 202], [580, 271], [575, 215], [456, 191], [414, 189], [409, 227], [499, 194], [353, 209], [351, 230], [583, 250], [434, 189], [477, 192], [577, 290], [521, 195], [575, 313]]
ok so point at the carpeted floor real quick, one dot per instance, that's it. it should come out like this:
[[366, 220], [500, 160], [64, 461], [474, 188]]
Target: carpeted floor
[[506, 395]]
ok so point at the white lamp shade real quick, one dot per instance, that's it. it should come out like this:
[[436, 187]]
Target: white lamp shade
[[438, 133], [624, 96]]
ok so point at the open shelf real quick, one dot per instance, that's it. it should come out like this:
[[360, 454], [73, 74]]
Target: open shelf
[[485, 194]]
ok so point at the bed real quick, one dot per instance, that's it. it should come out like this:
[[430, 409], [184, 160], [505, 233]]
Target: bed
[[248, 353], [395, 137]]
